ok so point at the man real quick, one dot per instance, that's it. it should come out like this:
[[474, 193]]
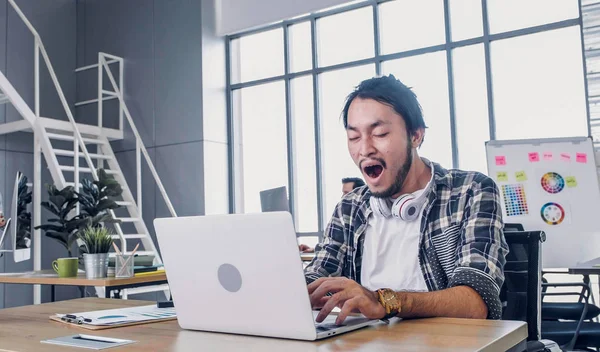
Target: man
[[419, 240], [350, 183]]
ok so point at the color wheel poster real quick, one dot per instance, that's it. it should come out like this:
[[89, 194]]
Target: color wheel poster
[[551, 186]]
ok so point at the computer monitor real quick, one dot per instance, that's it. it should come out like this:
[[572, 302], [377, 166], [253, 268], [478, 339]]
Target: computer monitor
[[274, 200], [21, 229]]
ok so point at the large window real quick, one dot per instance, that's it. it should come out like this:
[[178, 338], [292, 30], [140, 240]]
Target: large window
[[481, 69]]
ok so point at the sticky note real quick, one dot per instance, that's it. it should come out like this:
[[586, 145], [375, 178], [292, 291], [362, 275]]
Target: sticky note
[[534, 157], [565, 157], [571, 181], [502, 176], [500, 160], [581, 157], [547, 156], [521, 176]]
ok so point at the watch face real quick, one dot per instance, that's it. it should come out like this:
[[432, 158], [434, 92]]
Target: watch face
[[390, 300]]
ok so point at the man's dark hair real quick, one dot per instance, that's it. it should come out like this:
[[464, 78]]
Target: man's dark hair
[[390, 91], [357, 182]]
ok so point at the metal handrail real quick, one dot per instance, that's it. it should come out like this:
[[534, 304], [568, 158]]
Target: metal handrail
[[139, 143]]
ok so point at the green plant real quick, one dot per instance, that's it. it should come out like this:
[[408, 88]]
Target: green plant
[[96, 239], [96, 198], [23, 216], [62, 228]]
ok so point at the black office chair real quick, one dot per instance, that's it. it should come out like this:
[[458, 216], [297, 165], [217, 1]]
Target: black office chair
[[560, 310], [520, 293]]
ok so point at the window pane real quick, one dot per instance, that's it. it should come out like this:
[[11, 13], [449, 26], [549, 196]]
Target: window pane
[[347, 36], [336, 160], [304, 154], [470, 96], [428, 76], [257, 56], [407, 25], [539, 91], [465, 19], [264, 160], [300, 47], [506, 15]]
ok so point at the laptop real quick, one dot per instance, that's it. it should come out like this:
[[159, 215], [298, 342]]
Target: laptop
[[274, 199], [219, 283]]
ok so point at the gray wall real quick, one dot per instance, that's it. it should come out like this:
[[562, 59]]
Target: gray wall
[[161, 42], [55, 21]]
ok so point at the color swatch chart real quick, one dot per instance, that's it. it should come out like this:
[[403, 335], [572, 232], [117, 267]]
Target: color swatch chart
[[515, 201]]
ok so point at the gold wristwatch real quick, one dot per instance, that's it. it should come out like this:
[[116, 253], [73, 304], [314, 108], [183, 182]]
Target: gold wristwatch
[[390, 302]]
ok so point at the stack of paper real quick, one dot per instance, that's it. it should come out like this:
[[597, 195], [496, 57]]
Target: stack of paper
[[120, 316]]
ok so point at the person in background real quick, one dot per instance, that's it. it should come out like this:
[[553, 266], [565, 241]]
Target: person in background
[[348, 184]]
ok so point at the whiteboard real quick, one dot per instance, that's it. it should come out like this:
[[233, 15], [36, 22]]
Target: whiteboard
[[551, 185]]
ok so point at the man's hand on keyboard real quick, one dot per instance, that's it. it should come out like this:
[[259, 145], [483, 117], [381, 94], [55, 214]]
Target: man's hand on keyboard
[[347, 294]]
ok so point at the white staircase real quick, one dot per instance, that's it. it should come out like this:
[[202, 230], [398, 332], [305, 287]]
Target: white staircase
[[69, 142]]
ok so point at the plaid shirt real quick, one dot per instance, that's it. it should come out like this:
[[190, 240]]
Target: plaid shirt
[[461, 242]]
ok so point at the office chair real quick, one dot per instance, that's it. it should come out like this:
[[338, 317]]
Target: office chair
[[559, 310], [520, 293], [570, 334]]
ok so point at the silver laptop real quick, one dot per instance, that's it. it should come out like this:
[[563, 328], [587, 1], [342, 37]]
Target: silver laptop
[[241, 274]]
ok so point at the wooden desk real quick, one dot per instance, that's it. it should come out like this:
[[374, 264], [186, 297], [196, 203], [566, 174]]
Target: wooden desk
[[22, 329], [307, 257], [49, 277]]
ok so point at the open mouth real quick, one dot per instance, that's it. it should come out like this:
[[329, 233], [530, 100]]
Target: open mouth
[[374, 171]]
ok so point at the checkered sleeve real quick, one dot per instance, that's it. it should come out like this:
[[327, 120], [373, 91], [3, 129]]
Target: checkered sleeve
[[482, 250], [329, 254]]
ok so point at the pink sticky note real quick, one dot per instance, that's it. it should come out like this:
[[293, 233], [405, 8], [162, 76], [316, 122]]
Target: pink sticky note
[[581, 158], [565, 157], [500, 160], [534, 157], [547, 156]]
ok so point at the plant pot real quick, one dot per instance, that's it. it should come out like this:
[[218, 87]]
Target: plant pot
[[96, 265]]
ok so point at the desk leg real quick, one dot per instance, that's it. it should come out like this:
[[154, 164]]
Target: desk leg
[[107, 291], [82, 291], [52, 293]]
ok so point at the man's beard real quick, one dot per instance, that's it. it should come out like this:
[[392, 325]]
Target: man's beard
[[400, 176]]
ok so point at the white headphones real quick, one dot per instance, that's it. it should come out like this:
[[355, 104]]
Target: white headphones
[[407, 207]]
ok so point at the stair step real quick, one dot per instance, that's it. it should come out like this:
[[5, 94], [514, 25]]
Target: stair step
[[124, 204], [63, 152], [85, 169], [80, 185], [130, 219], [66, 137], [113, 254], [130, 236], [4, 99]]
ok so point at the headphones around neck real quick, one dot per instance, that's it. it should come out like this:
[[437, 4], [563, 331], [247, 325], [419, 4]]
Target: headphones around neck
[[407, 207]]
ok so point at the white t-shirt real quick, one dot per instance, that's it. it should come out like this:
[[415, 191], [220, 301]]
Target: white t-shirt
[[391, 254]]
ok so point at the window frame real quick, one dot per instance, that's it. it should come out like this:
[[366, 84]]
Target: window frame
[[235, 184]]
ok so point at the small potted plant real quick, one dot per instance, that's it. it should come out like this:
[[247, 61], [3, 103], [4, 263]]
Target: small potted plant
[[96, 242]]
